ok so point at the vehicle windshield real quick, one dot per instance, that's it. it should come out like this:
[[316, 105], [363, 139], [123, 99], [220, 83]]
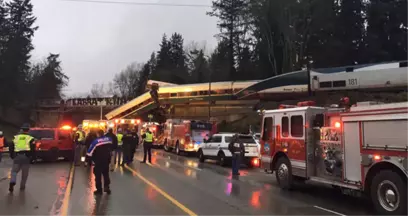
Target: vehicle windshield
[[42, 134], [199, 135], [257, 136]]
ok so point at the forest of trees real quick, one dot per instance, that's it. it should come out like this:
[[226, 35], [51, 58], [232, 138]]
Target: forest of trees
[[264, 38], [22, 82]]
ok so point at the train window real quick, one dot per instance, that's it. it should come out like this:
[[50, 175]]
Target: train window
[[340, 83], [285, 126], [296, 126], [173, 95], [203, 93], [267, 129], [325, 84], [182, 94], [194, 93]]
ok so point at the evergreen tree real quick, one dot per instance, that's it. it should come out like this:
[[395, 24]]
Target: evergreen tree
[[219, 63], [199, 66], [231, 15], [179, 73], [51, 79], [16, 33], [163, 64]]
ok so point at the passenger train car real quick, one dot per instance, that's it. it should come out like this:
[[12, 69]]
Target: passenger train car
[[180, 93]]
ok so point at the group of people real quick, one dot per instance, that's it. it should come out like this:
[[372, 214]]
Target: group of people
[[106, 150]]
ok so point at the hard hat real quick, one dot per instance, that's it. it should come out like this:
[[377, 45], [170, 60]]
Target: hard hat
[[25, 126], [79, 126]]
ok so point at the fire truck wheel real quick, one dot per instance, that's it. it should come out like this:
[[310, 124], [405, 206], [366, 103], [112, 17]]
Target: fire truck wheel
[[389, 193], [201, 156], [284, 173]]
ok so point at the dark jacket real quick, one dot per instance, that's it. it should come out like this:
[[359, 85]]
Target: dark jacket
[[127, 140], [89, 138], [114, 139], [100, 150], [236, 146]]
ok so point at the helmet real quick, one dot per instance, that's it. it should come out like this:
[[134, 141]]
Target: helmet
[[79, 127], [25, 127]]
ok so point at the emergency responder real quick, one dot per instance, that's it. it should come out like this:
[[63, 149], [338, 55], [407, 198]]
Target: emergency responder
[[21, 151], [147, 145], [119, 155], [100, 151], [79, 145], [3, 143], [237, 149], [114, 147], [127, 147], [134, 144], [88, 140]]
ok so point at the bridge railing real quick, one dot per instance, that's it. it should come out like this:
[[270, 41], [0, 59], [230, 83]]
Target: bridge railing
[[83, 102]]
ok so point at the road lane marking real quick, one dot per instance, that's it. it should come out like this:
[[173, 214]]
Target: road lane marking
[[166, 195], [67, 194], [328, 210]]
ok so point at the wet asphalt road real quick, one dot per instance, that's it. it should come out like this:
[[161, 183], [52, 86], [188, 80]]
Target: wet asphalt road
[[172, 185]]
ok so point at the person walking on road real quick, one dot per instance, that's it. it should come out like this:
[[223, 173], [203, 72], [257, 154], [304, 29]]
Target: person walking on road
[[88, 140], [100, 151], [119, 151], [127, 147], [79, 145], [237, 149], [3, 143], [134, 145], [114, 147], [147, 145], [21, 152]]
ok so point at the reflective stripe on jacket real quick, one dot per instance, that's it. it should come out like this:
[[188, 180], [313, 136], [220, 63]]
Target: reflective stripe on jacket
[[22, 142], [81, 136]]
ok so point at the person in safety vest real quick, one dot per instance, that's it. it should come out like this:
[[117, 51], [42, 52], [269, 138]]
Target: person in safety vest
[[100, 152], [22, 150], [119, 150], [3, 143], [79, 146], [147, 145], [114, 147]]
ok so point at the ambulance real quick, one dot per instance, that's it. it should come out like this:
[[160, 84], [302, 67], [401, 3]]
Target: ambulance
[[93, 125], [361, 149], [123, 124]]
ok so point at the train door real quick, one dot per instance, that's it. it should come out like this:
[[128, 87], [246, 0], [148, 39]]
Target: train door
[[267, 141]]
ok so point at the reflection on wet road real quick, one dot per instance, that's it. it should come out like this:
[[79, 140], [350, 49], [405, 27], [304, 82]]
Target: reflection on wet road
[[171, 185]]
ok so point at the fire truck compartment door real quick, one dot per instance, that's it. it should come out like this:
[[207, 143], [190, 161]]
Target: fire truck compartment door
[[352, 156]]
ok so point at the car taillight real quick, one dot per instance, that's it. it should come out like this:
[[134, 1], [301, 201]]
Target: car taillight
[[38, 144], [255, 162]]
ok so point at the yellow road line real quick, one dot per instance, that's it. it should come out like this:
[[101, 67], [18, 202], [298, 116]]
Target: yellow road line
[[166, 195], [65, 201]]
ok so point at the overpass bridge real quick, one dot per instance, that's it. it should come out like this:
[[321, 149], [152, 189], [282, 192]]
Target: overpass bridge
[[223, 99]]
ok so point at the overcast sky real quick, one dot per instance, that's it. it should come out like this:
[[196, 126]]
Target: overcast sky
[[95, 41]]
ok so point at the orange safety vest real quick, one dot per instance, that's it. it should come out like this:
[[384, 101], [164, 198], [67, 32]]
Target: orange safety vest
[[1, 144]]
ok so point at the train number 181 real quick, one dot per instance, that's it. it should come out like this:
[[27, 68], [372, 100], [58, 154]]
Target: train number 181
[[352, 82]]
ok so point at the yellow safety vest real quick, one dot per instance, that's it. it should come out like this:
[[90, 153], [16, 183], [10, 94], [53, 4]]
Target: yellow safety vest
[[149, 137], [119, 136], [81, 136], [22, 142]]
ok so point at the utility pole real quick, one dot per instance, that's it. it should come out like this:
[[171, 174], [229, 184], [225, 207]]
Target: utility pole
[[209, 96]]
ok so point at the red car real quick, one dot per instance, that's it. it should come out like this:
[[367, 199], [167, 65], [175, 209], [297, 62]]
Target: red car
[[53, 143]]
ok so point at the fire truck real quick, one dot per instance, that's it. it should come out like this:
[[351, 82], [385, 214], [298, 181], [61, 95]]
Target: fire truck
[[89, 125], [359, 149], [185, 135], [124, 124]]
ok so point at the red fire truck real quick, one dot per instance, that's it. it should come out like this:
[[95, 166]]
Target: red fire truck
[[361, 149]]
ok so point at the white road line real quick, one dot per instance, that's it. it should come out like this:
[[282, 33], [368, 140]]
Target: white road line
[[328, 210]]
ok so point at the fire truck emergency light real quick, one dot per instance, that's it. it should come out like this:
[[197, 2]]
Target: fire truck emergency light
[[137, 121], [337, 125], [255, 162], [116, 120], [132, 121], [66, 127], [122, 121]]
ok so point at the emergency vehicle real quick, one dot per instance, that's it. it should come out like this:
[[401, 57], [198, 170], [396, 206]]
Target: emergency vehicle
[[362, 149], [89, 125], [185, 135], [123, 124], [52, 143]]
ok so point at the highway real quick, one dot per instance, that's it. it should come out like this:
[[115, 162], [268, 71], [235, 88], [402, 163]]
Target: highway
[[171, 185]]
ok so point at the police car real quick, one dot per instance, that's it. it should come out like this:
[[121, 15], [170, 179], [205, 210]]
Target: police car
[[216, 147]]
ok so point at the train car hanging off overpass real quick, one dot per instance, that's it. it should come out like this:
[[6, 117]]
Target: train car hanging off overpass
[[368, 77]]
